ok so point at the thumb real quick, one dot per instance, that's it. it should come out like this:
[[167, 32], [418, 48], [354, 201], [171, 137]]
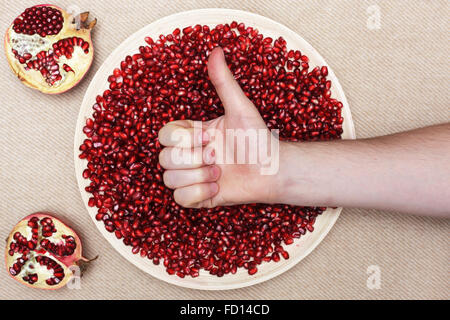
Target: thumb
[[234, 100]]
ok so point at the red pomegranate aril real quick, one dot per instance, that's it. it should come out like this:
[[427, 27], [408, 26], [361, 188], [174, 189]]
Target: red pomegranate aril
[[187, 30], [252, 271], [275, 257], [167, 80], [33, 21]]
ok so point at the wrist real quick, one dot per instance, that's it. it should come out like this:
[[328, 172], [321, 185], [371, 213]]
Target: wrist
[[300, 180], [284, 181]]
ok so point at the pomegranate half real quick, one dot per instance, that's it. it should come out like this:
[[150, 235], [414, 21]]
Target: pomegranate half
[[49, 49], [40, 251]]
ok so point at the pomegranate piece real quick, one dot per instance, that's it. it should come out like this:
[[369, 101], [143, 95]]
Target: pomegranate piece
[[167, 80], [48, 49], [40, 250]]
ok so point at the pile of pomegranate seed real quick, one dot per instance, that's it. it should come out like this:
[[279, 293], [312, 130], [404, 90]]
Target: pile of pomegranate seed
[[41, 20], [168, 80]]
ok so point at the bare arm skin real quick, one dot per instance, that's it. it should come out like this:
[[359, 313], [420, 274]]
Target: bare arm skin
[[407, 172]]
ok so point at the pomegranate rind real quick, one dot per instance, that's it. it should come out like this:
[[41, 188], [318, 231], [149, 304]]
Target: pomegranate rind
[[33, 78], [65, 262]]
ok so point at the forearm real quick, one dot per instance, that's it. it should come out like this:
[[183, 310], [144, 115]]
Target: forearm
[[406, 172]]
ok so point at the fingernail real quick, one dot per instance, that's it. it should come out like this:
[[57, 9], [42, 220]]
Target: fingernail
[[215, 172], [212, 156], [205, 137], [214, 188]]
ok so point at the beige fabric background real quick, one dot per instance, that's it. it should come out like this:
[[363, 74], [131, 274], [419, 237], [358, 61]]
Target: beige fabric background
[[395, 78]]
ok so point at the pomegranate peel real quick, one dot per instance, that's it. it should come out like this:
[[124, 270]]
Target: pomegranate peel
[[40, 251], [49, 49]]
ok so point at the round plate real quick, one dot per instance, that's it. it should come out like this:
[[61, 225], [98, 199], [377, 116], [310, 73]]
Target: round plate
[[301, 247]]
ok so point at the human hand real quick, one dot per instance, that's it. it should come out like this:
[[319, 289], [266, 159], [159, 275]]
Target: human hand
[[203, 181], [383, 173]]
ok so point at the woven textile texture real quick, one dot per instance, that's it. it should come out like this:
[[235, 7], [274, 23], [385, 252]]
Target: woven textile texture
[[395, 78]]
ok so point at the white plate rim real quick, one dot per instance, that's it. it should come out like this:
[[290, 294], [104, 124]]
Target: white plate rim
[[86, 110]]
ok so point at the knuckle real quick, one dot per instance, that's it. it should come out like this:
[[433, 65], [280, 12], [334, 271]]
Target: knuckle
[[204, 174], [162, 157], [178, 198], [180, 137], [209, 174], [181, 198], [168, 179], [199, 192], [162, 135]]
